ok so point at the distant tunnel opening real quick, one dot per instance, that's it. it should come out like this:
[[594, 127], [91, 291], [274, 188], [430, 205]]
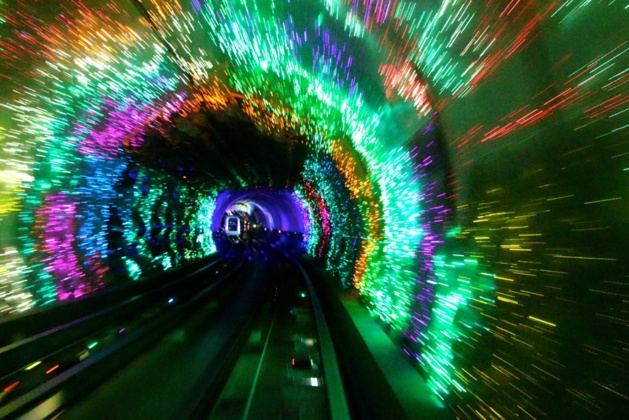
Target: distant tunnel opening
[[266, 207], [260, 214]]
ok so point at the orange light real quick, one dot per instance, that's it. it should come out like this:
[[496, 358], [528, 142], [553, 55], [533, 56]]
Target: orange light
[[10, 387], [52, 369]]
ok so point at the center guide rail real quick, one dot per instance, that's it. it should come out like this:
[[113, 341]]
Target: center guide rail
[[286, 366]]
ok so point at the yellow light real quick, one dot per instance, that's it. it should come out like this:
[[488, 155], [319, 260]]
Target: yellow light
[[33, 365], [542, 321]]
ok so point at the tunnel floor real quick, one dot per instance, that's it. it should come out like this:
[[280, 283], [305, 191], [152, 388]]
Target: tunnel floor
[[253, 352]]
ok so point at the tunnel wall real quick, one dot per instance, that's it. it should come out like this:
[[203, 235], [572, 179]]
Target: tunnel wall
[[537, 226], [77, 98]]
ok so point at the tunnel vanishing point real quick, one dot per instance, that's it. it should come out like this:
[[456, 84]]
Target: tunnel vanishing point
[[462, 164]]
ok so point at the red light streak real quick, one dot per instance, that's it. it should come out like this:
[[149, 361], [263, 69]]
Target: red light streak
[[52, 369], [10, 387]]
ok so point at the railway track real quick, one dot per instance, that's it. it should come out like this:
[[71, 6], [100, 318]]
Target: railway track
[[244, 339], [287, 368]]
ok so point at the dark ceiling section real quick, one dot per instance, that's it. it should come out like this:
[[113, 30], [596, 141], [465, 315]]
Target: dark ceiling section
[[222, 148]]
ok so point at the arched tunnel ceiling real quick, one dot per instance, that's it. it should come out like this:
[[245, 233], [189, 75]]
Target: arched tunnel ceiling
[[224, 148], [461, 163]]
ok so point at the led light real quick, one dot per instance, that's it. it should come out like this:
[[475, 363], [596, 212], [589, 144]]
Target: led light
[[10, 387], [33, 365], [52, 369]]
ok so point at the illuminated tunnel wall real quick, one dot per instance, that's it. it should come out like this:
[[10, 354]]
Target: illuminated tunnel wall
[[462, 163]]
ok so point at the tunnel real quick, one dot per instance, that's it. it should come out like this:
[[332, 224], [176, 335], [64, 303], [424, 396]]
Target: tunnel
[[456, 165]]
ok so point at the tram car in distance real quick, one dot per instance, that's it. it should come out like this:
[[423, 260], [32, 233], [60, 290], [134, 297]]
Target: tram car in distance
[[233, 226]]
